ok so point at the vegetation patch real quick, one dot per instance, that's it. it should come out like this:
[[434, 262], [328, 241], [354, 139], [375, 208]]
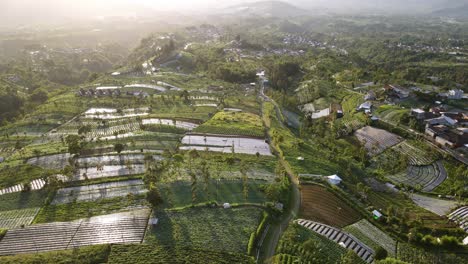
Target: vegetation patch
[[215, 228], [301, 245], [83, 255], [77, 210], [155, 254], [372, 236], [233, 123], [22, 200], [179, 194]]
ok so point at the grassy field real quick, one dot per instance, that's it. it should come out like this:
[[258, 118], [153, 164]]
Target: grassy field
[[17, 218], [23, 173], [77, 210], [392, 113], [301, 245], [84, 255], [151, 254], [233, 123], [322, 206], [414, 255], [382, 201], [214, 228], [22, 200], [178, 194], [372, 236]]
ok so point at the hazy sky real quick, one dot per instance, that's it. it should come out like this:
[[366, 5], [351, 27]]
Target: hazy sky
[[26, 12]]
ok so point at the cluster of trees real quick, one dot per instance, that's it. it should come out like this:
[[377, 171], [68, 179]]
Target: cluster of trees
[[283, 73], [234, 72], [10, 106]]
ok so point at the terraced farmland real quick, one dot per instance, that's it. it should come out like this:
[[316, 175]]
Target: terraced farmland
[[425, 177], [178, 193], [17, 218], [108, 171], [338, 236], [124, 126], [213, 228], [372, 236], [116, 228], [233, 123], [56, 161], [320, 205], [226, 144], [168, 122], [99, 191], [35, 185], [110, 113], [460, 216], [376, 140], [435, 205], [416, 156], [122, 159]]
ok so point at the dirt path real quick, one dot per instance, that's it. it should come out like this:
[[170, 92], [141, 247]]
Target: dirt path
[[274, 232]]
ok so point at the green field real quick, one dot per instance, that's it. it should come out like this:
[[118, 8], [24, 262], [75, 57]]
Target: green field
[[84, 255], [179, 194], [233, 123], [301, 245], [21, 200], [214, 228], [78, 210], [150, 254]]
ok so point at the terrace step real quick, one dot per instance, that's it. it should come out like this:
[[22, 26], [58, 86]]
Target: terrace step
[[337, 235]]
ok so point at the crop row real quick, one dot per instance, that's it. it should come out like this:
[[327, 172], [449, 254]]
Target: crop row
[[415, 155], [17, 218], [117, 228], [425, 177], [376, 140], [99, 191], [365, 231]]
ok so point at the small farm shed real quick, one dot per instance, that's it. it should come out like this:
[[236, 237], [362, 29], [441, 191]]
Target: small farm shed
[[376, 214], [334, 179]]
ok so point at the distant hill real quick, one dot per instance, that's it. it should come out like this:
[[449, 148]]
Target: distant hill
[[266, 9], [456, 12], [381, 6]]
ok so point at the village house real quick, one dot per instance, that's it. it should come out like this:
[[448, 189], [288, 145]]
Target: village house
[[455, 94], [366, 107], [418, 113], [396, 91], [370, 96], [448, 130]]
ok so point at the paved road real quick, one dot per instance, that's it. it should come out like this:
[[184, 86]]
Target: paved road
[[267, 249]]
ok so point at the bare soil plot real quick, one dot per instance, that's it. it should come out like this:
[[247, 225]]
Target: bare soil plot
[[17, 218], [99, 191], [376, 140], [227, 144], [437, 206], [116, 228], [320, 205]]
